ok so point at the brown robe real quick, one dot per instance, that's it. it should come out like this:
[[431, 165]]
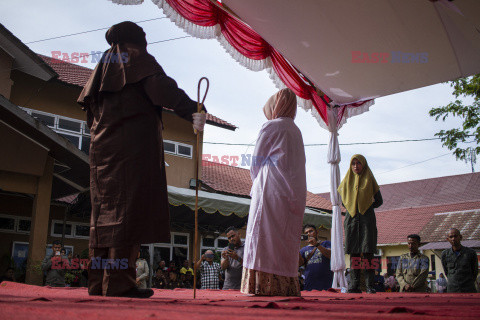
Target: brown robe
[[124, 100], [127, 167]]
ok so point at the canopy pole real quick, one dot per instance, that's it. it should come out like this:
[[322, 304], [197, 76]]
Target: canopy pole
[[337, 262], [197, 182]]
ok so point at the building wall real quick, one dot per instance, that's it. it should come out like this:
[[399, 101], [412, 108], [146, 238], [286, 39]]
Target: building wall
[[180, 169], [53, 96], [6, 62]]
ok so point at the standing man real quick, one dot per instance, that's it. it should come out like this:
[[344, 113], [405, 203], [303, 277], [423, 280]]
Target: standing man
[[124, 98], [316, 259], [52, 265], [232, 260], [412, 268], [209, 270], [460, 264]]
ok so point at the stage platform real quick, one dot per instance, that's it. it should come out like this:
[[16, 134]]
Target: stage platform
[[21, 301]]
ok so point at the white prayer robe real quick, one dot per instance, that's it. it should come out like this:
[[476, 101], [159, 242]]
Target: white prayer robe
[[278, 194]]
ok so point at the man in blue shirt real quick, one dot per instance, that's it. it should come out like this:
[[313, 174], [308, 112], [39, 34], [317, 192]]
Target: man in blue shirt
[[316, 259]]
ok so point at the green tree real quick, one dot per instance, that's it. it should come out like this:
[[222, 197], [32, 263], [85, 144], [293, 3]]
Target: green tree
[[455, 138]]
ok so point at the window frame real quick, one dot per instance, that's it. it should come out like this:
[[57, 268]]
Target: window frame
[[186, 146], [14, 218], [80, 134], [177, 144], [18, 225], [73, 234]]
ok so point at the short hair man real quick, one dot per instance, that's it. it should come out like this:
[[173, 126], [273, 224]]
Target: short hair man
[[460, 264], [52, 265], [412, 268], [316, 259], [209, 271], [232, 260]]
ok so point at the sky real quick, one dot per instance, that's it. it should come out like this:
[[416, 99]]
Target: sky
[[238, 95]]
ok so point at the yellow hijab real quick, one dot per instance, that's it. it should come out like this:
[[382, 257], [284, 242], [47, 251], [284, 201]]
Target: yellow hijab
[[357, 190]]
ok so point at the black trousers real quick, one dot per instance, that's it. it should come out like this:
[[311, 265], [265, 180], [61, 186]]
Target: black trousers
[[359, 262]]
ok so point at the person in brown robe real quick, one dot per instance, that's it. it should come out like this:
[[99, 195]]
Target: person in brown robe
[[123, 99]]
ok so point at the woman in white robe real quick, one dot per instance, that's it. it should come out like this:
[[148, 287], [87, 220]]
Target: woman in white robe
[[278, 194]]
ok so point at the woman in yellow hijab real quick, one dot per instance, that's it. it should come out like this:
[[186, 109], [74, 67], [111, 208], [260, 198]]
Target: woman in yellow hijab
[[360, 195]]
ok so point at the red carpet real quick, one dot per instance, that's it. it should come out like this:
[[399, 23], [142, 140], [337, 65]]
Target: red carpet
[[20, 301]]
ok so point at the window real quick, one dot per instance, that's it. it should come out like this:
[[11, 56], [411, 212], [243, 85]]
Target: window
[[169, 147], [176, 148], [432, 259], [176, 250], [82, 231], [48, 120], [57, 229], [72, 229], [208, 242], [7, 223], [14, 224], [86, 130], [70, 125], [85, 145], [76, 131], [180, 239], [185, 150], [24, 225], [222, 243]]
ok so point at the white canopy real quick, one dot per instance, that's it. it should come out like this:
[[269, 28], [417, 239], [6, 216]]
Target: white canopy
[[319, 36]]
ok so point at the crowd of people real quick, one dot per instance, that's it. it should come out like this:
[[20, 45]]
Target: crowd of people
[[410, 272]]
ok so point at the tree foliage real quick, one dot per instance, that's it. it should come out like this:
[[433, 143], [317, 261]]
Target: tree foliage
[[455, 138]]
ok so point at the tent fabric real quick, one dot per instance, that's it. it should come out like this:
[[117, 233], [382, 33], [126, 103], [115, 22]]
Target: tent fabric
[[228, 205], [21, 301], [337, 260], [206, 19], [354, 50], [209, 202]]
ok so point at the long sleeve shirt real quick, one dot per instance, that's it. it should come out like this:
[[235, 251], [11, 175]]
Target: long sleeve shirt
[[413, 270], [55, 275], [461, 269], [142, 273]]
